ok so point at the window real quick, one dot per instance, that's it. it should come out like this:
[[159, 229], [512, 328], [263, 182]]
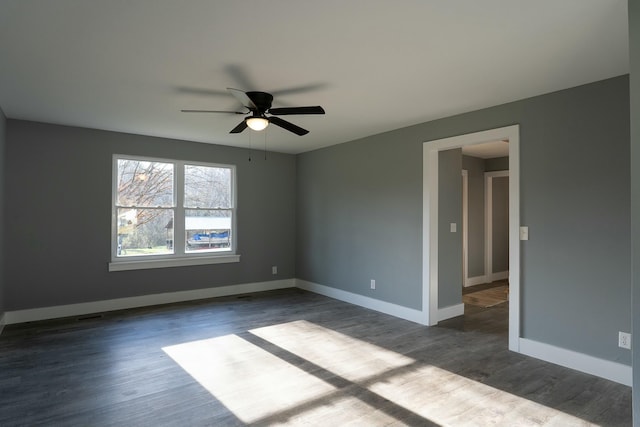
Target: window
[[170, 213]]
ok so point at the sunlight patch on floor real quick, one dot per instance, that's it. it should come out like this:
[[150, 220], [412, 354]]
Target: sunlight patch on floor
[[350, 358], [453, 400], [258, 386], [433, 393]]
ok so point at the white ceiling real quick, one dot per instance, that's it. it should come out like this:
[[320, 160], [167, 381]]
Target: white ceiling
[[374, 65], [488, 150]]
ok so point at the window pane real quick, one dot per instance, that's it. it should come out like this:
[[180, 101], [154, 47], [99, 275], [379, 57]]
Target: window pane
[[207, 187], [145, 183], [145, 232], [208, 230]]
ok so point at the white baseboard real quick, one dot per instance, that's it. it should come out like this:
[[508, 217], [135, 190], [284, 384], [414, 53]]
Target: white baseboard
[[44, 313], [579, 361], [2, 322], [477, 280], [406, 313], [500, 275], [450, 312]]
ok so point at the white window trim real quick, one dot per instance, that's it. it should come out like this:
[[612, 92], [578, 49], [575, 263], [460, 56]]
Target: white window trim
[[175, 259]]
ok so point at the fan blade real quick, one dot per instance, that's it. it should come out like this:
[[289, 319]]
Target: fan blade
[[287, 125], [212, 111], [243, 98], [202, 91], [240, 75], [284, 111], [297, 89], [242, 126]]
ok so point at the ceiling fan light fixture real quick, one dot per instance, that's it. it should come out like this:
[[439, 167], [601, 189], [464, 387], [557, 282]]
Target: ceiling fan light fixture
[[257, 123]]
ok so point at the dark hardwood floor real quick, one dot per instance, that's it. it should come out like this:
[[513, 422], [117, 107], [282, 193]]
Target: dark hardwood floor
[[288, 357], [482, 287]]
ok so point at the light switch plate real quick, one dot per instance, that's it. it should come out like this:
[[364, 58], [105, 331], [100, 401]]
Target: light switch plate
[[453, 227], [524, 233]]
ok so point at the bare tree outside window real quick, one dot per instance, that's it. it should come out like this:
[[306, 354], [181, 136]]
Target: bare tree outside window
[[207, 187], [145, 206]]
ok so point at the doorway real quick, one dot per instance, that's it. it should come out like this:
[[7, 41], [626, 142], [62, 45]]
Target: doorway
[[496, 219], [485, 213], [431, 151]]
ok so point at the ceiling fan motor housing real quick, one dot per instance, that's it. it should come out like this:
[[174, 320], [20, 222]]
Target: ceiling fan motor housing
[[262, 100]]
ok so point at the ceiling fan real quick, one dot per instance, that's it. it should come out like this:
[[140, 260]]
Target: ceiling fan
[[261, 113]]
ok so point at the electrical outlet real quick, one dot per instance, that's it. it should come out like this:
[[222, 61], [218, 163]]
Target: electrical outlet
[[373, 284], [274, 269], [624, 340]]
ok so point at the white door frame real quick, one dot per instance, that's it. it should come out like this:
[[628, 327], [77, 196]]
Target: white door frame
[[465, 227], [430, 222]]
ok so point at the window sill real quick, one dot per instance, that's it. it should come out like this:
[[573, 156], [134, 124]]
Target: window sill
[[173, 262]]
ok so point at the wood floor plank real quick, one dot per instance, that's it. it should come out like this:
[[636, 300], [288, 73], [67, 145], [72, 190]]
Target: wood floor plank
[[288, 357]]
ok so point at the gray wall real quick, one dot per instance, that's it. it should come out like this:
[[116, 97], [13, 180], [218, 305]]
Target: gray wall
[[634, 59], [58, 216], [475, 215], [500, 224], [496, 164], [358, 207], [360, 213], [576, 270], [449, 244], [3, 127]]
